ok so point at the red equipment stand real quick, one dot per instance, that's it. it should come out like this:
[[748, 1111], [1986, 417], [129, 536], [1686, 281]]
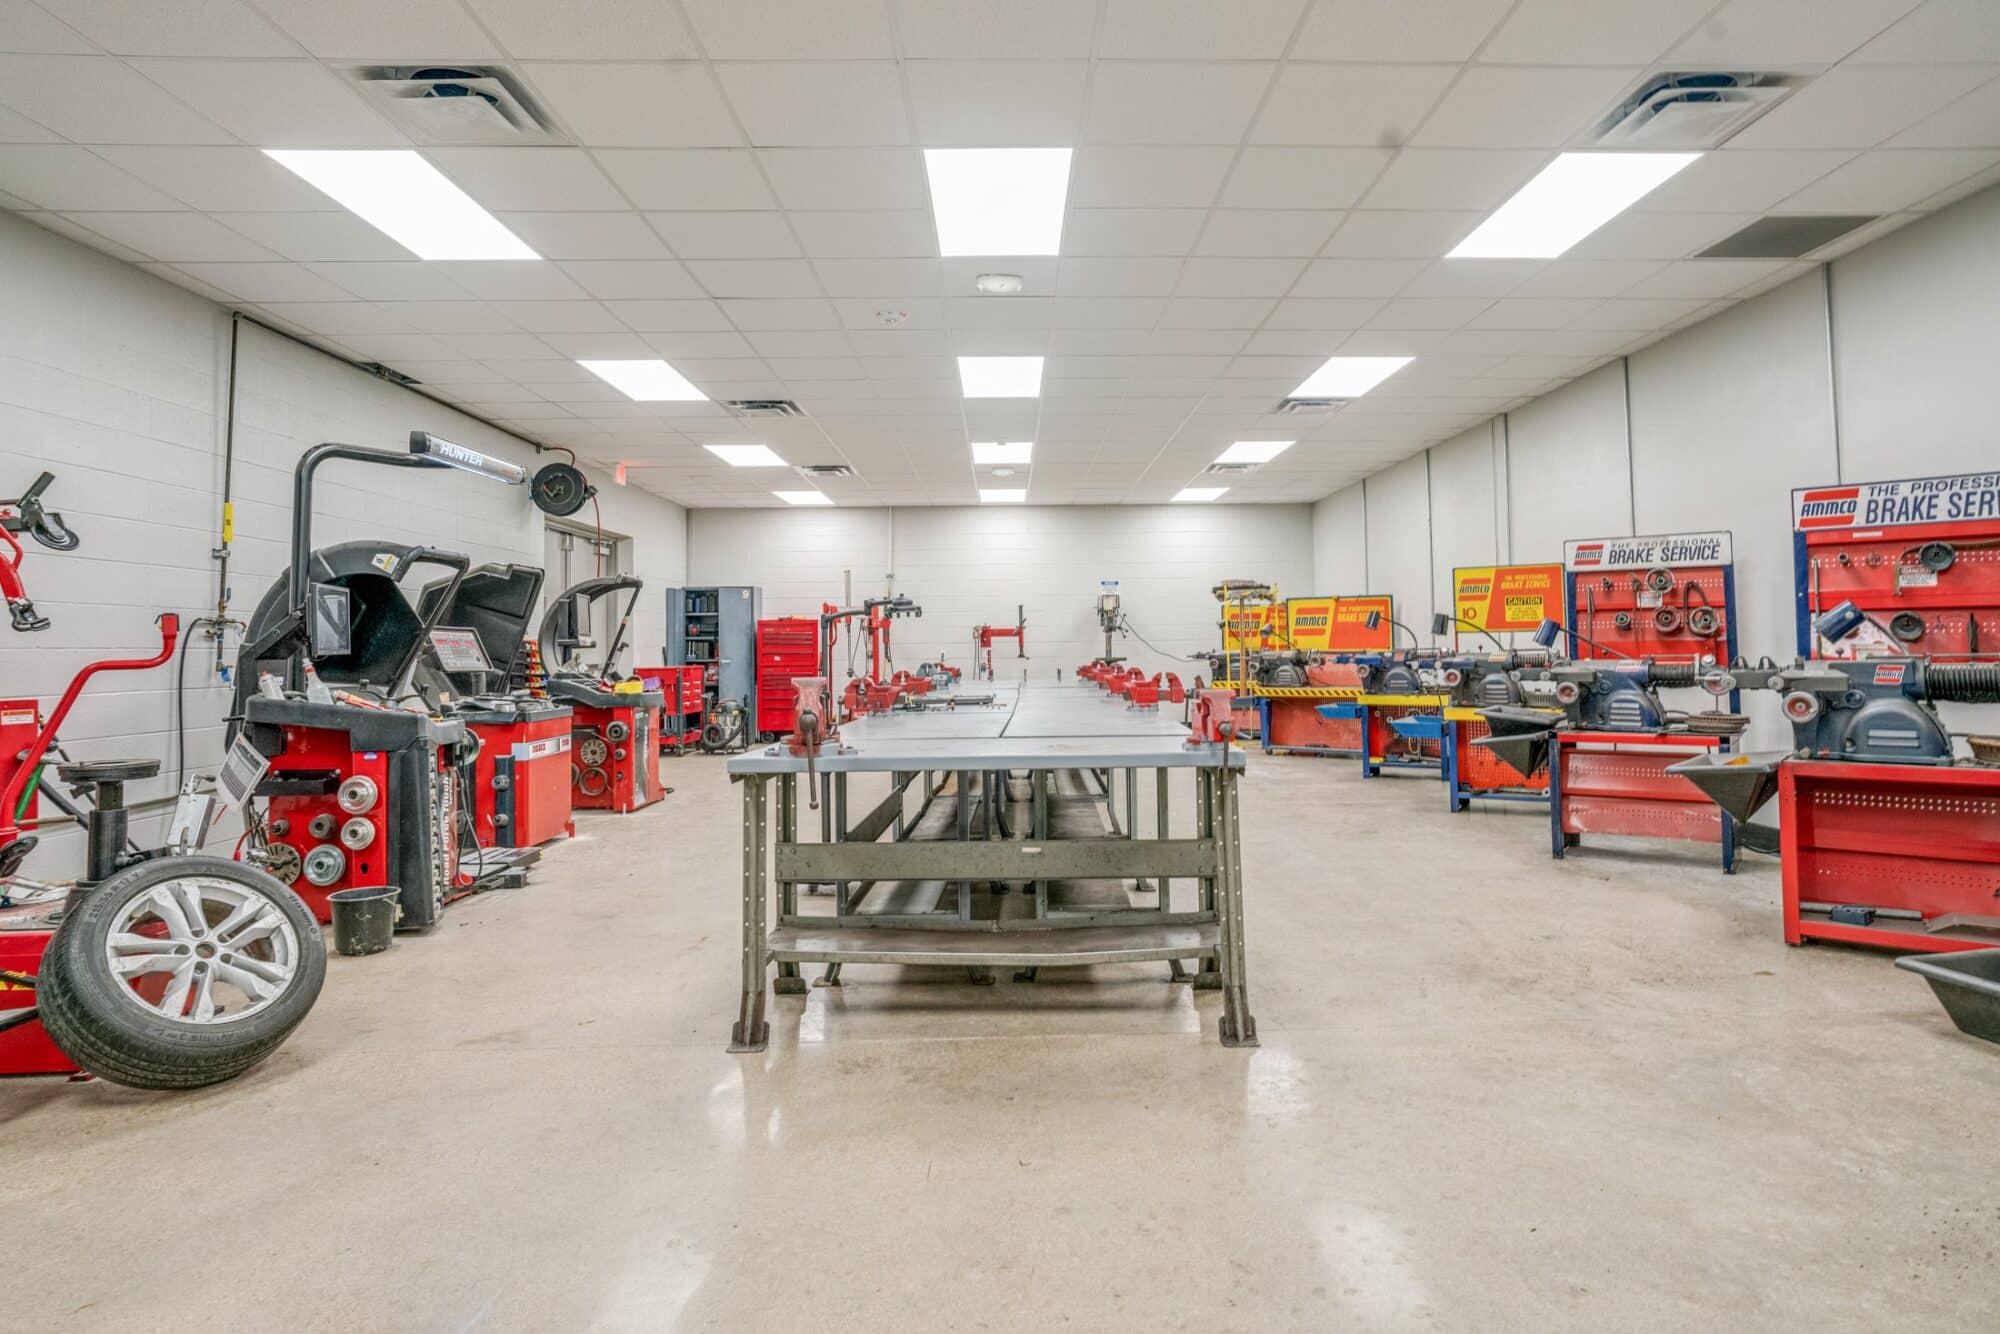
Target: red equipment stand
[[787, 651], [614, 759], [521, 774], [1917, 844], [1393, 749], [1617, 783], [1298, 724], [683, 705], [1477, 774]]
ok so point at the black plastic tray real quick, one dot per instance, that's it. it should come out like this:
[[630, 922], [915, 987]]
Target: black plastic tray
[[1967, 984]]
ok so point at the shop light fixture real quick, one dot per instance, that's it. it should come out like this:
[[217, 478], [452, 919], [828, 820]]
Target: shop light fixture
[[1000, 377], [746, 456], [1349, 377], [1254, 451], [1002, 496], [1567, 201], [645, 381], [803, 497], [401, 195], [989, 452], [998, 201], [1198, 495]]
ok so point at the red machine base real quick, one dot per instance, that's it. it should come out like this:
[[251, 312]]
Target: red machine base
[[1617, 783], [626, 776]]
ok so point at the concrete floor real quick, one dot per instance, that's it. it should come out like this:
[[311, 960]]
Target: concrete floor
[[1494, 1093]]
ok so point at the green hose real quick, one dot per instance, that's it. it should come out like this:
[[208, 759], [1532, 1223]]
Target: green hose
[[28, 794]]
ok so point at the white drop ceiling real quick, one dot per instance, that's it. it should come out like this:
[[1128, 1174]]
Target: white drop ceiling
[[1258, 184]]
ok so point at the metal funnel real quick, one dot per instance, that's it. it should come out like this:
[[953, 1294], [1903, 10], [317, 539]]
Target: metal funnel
[[1740, 783], [1519, 737]]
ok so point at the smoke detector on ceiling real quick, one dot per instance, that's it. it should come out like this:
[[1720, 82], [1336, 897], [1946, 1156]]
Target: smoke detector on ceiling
[[1689, 110], [1310, 407], [455, 104]]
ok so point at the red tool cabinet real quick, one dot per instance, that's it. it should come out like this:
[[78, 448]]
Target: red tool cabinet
[[681, 715], [787, 648]]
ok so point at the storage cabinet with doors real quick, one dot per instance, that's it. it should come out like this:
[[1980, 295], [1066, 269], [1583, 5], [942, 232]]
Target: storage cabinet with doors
[[715, 628]]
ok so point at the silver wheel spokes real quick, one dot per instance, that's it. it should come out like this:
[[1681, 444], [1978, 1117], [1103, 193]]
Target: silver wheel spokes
[[226, 950]]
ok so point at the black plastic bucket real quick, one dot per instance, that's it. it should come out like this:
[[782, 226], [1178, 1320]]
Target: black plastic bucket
[[364, 920]]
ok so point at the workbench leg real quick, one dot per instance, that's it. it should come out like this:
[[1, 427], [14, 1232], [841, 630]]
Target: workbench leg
[[1039, 819], [751, 1032], [1208, 968], [1161, 884], [1236, 1027], [790, 982]]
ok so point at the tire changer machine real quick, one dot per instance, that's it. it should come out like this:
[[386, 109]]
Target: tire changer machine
[[615, 723], [342, 692]]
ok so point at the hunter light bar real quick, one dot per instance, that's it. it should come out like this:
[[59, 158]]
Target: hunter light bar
[[437, 448]]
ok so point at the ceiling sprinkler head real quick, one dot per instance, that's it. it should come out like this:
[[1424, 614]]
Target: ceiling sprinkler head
[[999, 284], [890, 315]]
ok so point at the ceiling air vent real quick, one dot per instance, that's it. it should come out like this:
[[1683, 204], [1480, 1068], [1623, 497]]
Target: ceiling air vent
[[1310, 407], [1689, 110], [455, 104], [389, 373], [764, 407], [1784, 237], [817, 470]]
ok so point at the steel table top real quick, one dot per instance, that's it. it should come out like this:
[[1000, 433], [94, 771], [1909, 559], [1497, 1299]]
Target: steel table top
[[1024, 727]]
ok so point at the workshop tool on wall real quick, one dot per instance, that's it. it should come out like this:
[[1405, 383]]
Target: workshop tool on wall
[[1919, 559], [27, 515], [159, 968], [1887, 834], [614, 727], [516, 776], [984, 637], [1667, 597], [362, 785]]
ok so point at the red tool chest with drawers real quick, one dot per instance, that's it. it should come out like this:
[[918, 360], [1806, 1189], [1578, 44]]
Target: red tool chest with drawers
[[787, 648]]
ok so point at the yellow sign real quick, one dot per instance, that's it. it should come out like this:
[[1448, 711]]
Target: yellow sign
[[1309, 622], [1508, 597]]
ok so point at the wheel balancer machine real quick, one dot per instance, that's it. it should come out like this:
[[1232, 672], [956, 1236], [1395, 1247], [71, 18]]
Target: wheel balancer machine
[[615, 725]]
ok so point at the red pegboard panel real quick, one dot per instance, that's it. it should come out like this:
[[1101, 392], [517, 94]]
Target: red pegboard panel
[[1879, 571], [1296, 724], [1479, 770]]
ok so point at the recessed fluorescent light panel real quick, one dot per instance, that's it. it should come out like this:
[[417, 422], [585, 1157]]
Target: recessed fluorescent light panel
[[746, 456], [1198, 494], [1000, 377], [803, 497], [991, 496], [651, 381], [1349, 377], [998, 201], [1254, 451], [405, 197], [1571, 198], [989, 452]]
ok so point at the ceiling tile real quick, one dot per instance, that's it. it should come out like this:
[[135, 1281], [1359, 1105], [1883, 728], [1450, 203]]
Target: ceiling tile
[[986, 103], [451, 316], [1420, 314], [337, 319], [1131, 231], [304, 236], [27, 27], [746, 278], [99, 100], [265, 282], [631, 279], [1197, 29], [877, 234], [1302, 178], [1370, 30], [1320, 313], [1587, 277], [404, 280], [1215, 313], [586, 29], [1522, 107], [846, 178], [1397, 234], [1360, 105], [760, 235], [1119, 276], [1939, 30], [586, 235], [1637, 235], [62, 176], [389, 31], [749, 315], [598, 345], [792, 29], [1472, 277], [1740, 181], [219, 179], [1973, 121], [1358, 277], [1704, 278], [529, 179], [835, 103], [1447, 178], [550, 317], [1146, 177], [1238, 277], [274, 103], [1530, 313], [664, 104], [1890, 179], [896, 278], [693, 178], [185, 28], [1767, 33], [1859, 107], [701, 316], [1257, 232], [1592, 32], [1178, 103], [180, 235], [982, 30]]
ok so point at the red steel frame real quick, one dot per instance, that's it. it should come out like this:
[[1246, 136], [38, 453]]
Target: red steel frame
[[1899, 836], [1616, 783], [1295, 724]]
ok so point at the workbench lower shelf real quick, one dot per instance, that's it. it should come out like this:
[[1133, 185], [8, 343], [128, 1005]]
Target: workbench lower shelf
[[1005, 947]]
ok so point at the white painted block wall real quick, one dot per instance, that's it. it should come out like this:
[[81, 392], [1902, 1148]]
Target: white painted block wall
[[115, 381]]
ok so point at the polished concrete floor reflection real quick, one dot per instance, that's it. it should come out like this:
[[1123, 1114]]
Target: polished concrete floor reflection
[[1494, 1092]]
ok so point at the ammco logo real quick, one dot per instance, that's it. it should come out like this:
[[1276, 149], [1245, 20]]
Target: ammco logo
[[1589, 553], [1829, 507]]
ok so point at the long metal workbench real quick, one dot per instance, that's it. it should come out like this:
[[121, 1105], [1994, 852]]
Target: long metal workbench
[[1001, 843]]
